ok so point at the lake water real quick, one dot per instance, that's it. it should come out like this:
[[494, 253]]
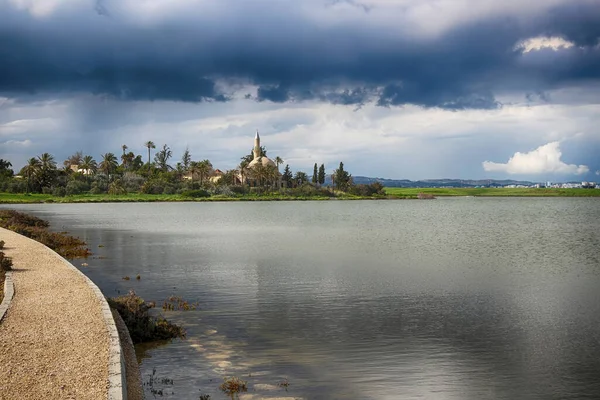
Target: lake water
[[457, 298]]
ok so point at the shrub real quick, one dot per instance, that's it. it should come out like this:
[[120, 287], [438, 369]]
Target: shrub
[[59, 191], [16, 186], [2, 243], [96, 189], [12, 217], [224, 191], [195, 193], [239, 189], [143, 327], [153, 187], [5, 262], [36, 229], [169, 189], [76, 187], [115, 188], [372, 189], [132, 182], [234, 385]]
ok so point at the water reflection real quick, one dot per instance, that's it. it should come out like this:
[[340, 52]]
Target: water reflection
[[452, 299]]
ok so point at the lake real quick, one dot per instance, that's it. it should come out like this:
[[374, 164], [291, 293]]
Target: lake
[[456, 298]]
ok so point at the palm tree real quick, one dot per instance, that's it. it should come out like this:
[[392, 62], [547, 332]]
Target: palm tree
[[203, 168], [127, 159], [272, 175], [31, 170], [243, 168], [47, 169], [150, 145], [89, 165], [262, 173], [193, 168], [47, 161], [278, 161], [108, 164], [124, 147], [162, 158], [75, 159]]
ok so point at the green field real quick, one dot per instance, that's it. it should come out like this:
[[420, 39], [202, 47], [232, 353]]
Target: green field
[[512, 192]]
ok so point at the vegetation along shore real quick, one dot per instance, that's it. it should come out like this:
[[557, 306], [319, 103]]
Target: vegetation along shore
[[133, 309], [82, 179]]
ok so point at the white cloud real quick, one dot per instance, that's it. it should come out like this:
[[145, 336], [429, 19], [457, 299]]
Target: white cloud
[[544, 159], [597, 172], [542, 42]]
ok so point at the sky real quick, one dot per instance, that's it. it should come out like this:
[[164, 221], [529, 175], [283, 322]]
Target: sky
[[404, 89]]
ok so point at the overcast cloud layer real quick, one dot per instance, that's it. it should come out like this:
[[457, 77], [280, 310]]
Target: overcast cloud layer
[[395, 88]]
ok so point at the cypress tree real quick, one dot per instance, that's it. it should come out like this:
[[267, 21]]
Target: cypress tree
[[315, 173], [321, 177], [287, 176]]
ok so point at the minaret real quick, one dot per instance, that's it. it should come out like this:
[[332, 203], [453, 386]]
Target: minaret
[[256, 150]]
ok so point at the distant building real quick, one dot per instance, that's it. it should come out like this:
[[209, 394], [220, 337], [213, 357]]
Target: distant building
[[75, 168], [258, 159]]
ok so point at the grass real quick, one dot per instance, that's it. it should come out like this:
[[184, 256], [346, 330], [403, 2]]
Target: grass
[[395, 193], [12, 198], [508, 192]]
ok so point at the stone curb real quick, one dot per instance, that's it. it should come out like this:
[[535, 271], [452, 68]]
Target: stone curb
[[117, 382], [9, 291]]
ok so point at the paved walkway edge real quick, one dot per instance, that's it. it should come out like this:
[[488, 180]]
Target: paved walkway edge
[[117, 382], [9, 291]]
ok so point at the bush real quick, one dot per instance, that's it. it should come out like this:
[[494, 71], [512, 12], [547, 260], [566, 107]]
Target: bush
[[309, 190], [223, 191], [132, 182], [233, 386], [59, 191], [153, 187], [115, 188], [169, 189], [195, 193], [239, 189], [372, 189], [96, 189], [5, 262], [47, 190], [36, 229], [143, 327], [2, 243], [76, 187], [15, 186]]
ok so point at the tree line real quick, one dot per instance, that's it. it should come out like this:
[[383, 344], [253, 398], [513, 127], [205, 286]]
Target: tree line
[[129, 173]]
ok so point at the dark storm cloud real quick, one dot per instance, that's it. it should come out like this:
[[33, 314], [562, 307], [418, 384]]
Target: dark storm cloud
[[290, 57]]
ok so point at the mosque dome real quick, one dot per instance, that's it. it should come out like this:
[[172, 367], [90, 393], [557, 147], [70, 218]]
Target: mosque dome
[[265, 161]]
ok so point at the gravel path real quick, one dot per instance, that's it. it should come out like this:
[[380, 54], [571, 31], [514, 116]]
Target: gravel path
[[53, 339]]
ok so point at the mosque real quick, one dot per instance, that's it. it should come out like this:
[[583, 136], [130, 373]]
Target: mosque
[[258, 159]]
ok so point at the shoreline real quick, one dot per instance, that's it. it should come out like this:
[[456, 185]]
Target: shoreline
[[392, 194]]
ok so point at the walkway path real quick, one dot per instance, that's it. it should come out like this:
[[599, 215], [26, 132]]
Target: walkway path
[[53, 340]]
